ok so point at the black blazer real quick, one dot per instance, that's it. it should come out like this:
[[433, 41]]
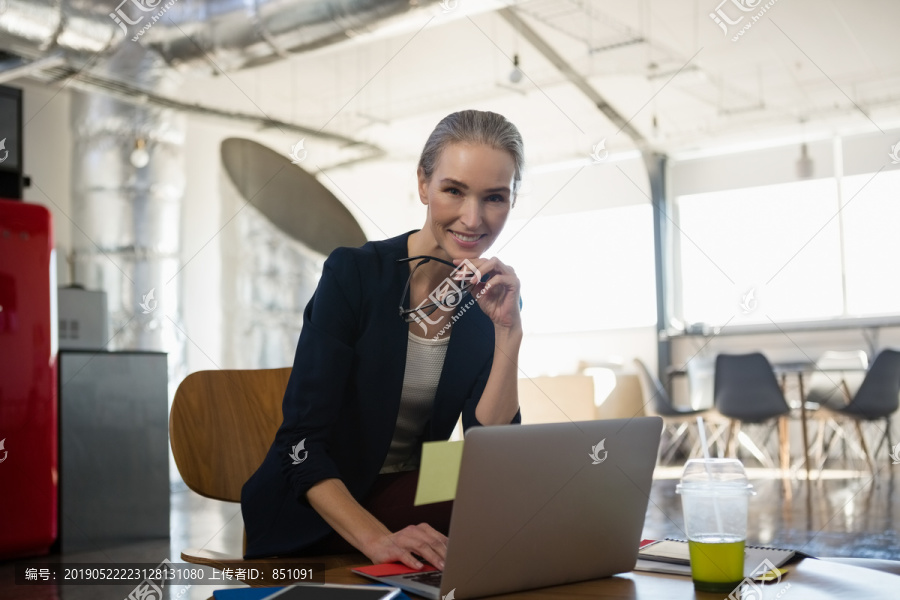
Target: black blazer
[[342, 399]]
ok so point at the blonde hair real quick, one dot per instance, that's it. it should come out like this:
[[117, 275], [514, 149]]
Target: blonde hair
[[474, 127]]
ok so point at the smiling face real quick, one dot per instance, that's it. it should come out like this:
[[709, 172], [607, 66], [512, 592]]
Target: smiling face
[[468, 197]]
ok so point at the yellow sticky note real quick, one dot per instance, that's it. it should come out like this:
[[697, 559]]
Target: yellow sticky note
[[438, 472]]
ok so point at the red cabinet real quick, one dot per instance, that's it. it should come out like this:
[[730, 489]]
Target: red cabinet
[[28, 371]]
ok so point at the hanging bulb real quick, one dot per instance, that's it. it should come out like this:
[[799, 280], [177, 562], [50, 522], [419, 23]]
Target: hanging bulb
[[516, 74], [139, 156], [804, 163]]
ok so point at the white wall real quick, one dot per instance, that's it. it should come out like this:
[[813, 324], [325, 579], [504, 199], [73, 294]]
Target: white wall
[[47, 146], [201, 223]]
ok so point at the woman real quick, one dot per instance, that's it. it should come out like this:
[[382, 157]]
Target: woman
[[369, 386]]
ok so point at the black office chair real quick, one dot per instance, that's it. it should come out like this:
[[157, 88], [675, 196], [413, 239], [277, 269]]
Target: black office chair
[[878, 398], [746, 391], [836, 378], [679, 425]]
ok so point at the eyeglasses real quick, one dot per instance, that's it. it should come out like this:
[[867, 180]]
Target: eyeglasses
[[446, 296]]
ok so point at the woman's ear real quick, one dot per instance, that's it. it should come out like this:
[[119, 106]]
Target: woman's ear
[[423, 186]]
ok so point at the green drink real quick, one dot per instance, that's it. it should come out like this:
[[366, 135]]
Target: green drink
[[714, 497], [717, 563]]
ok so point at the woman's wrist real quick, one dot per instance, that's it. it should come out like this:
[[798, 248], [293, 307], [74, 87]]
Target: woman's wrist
[[508, 337], [371, 538], [334, 503]]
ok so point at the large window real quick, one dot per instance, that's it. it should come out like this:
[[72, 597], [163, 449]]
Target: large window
[[789, 252], [872, 243], [583, 271]]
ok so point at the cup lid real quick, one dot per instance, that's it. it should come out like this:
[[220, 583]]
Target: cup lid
[[721, 474]]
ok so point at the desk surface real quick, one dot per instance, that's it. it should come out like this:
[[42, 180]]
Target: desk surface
[[807, 579]]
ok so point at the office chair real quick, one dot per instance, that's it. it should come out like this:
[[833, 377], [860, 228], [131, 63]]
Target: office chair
[[837, 377], [678, 425], [878, 398], [221, 426], [746, 391]]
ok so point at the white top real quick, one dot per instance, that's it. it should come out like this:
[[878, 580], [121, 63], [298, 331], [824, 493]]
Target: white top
[[424, 362]]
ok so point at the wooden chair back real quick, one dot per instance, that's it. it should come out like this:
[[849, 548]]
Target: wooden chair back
[[221, 426]]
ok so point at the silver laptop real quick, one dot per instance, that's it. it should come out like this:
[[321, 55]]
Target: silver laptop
[[541, 505]]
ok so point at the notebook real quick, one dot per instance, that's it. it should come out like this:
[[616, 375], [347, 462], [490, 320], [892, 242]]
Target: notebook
[[673, 557], [532, 502]]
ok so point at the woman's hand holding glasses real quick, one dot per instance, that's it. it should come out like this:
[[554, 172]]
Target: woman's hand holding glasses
[[497, 292]]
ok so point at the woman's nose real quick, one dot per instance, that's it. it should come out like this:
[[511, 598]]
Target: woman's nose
[[471, 214]]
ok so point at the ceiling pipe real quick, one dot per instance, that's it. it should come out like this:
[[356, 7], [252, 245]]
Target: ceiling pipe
[[227, 34], [137, 96], [14, 68], [69, 39]]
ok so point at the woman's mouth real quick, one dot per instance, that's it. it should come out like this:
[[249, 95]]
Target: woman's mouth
[[466, 240]]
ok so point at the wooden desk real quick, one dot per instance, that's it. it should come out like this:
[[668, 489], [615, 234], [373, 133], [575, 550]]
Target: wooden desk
[[809, 579]]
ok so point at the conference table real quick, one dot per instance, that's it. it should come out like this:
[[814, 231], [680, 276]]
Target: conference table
[[807, 579]]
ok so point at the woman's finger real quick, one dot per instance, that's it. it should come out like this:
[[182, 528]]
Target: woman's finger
[[425, 541], [430, 554], [432, 544], [409, 560], [483, 266], [499, 284]]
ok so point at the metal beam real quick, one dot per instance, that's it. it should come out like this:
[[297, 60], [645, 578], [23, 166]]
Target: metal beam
[[656, 171], [564, 67]]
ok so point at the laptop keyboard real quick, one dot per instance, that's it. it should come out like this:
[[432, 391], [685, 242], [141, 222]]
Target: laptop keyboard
[[432, 578]]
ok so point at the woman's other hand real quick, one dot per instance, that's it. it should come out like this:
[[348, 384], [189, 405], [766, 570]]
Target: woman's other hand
[[421, 539]]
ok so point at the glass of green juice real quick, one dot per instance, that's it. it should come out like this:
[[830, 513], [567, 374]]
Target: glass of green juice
[[715, 494]]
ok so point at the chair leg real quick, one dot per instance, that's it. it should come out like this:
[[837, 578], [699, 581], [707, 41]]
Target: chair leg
[[674, 443], [820, 446], [833, 429], [760, 454], [784, 448], [682, 433], [862, 443], [734, 427], [886, 437], [717, 439], [693, 435], [887, 433]]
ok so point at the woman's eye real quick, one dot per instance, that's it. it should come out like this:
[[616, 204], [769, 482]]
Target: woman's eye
[[453, 191], [496, 198]]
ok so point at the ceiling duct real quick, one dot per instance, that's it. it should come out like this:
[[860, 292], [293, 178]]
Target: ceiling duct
[[232, 34]]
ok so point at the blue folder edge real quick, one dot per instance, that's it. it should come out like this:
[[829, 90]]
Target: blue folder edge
[[248, 593], [259, 593]]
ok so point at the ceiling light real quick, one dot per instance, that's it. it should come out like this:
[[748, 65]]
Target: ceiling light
[[516, 74], [139, 156], [804, 163]]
